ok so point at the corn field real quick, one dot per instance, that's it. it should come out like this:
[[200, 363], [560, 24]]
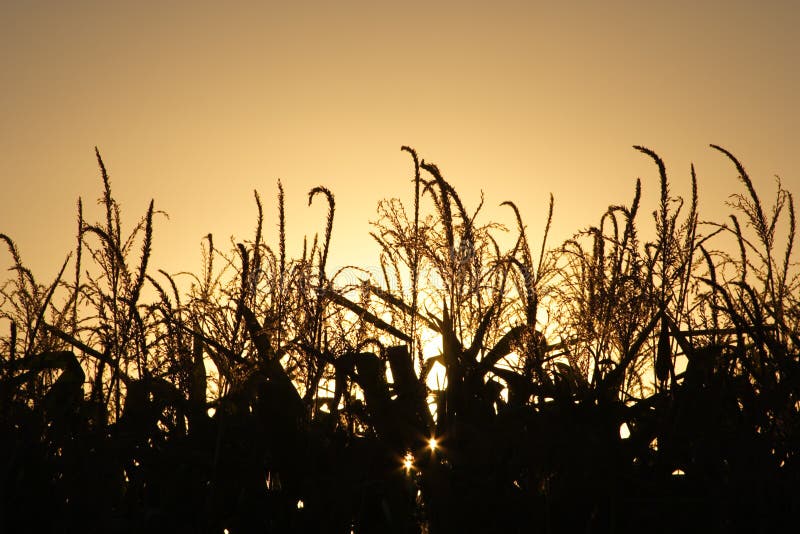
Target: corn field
[[604, 384]]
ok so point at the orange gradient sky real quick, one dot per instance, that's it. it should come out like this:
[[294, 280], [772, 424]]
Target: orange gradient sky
[[197, 103]]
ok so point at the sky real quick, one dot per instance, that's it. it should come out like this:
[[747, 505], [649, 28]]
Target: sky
[[196, 104]]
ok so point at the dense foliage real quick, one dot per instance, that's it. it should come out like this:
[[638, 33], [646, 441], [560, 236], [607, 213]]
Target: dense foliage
[[609, 384]]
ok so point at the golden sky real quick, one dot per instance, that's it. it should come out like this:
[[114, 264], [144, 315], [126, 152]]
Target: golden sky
[[197, 103]]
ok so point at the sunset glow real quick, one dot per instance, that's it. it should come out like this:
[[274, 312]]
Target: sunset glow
[[197, 106]]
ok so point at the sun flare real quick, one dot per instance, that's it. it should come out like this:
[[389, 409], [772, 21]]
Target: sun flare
[[408, 461]]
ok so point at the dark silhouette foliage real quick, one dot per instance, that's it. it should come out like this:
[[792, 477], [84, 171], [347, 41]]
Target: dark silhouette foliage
[[609, 384]]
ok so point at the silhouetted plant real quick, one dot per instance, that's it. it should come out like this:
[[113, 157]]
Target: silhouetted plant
[[605, 385]]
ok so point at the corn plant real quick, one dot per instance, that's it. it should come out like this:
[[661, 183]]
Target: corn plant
[[604, 384]]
